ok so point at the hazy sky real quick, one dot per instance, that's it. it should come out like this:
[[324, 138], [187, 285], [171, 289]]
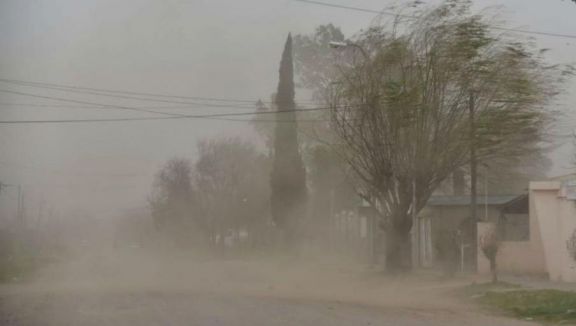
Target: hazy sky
[[211, 48]]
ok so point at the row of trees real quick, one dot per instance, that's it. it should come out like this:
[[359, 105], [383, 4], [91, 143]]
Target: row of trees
[[237, 188], [223, 194], [409, 104]]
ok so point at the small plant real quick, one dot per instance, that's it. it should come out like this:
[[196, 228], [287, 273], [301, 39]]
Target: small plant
[[490, 245], [571, 245]]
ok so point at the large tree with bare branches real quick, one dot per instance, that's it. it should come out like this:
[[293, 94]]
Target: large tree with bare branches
[[429, 88]]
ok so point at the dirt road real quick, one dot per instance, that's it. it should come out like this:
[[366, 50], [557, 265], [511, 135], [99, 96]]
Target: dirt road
[[139, 292]]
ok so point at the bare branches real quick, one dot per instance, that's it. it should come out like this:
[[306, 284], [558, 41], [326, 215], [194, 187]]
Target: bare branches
[[403, 113]]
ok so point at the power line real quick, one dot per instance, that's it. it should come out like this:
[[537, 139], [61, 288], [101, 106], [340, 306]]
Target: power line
[[75, 107], [157, 118], [64, 106], [223, 119], [126, 94], [516, 30], [216, 116], [99, 106], [173, 117], [333, 5], [129, 97], [131, 92], [118, 107], [67, 106]]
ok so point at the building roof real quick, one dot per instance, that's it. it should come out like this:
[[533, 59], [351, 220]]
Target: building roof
[[465, 200], [566, 177]]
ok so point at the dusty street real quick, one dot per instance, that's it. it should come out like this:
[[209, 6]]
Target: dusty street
[[202, 309], [130, 291]]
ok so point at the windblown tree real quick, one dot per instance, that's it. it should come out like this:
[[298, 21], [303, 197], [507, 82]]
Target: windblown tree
[[288, 175], [172, 201], [314, 58], [502, 178], [323, 165], [330, 188], [233, 189], [262, 124], [404, 113]]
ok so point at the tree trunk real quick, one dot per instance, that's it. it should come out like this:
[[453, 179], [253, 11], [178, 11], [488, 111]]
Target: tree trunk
[[398, 250], [493, 270]]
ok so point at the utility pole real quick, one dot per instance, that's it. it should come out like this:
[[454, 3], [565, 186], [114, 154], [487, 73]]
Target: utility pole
[[19, 222], [20, 205], [20, 211], [473, 189], [486, 197], [416, 255], [332, 222]]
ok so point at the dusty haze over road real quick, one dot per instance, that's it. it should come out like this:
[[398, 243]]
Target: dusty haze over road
[[136, 289]]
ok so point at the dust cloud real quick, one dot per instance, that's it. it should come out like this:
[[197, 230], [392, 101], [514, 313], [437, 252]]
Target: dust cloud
[[150, 287], [212, 163]]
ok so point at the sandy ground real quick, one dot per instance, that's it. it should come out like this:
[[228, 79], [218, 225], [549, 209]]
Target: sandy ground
[[133, 290]]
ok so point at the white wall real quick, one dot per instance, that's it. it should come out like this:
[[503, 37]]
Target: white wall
[[514, 257], [556, 218]]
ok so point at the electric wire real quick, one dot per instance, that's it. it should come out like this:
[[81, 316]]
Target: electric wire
[[516, 30]]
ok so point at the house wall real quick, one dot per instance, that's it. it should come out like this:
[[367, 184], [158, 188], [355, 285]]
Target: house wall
[[448, 218], [556, 218], [514, 257], [517, 257]]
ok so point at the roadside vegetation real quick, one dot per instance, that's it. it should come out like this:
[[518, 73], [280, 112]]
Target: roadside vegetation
[[548, 306], [21, 257], [16, 261], [13, 269]]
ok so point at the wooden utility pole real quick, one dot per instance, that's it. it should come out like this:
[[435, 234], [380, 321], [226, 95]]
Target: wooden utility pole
[[473, 189], [20, 212]]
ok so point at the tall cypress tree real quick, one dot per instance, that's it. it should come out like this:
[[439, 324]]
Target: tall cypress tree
[[288, 178]]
